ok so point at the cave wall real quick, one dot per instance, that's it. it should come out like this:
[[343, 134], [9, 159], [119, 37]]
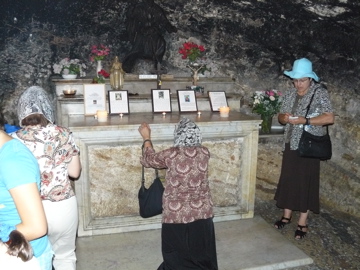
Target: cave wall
[[251, 41]]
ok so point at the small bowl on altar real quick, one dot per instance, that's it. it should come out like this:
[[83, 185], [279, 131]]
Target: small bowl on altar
[[69, 92]]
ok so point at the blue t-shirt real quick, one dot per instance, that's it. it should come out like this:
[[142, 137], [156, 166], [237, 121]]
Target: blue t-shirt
[[18, 166]]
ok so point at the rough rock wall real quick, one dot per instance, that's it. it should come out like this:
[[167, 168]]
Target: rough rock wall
[[339, 188], [250, 41]]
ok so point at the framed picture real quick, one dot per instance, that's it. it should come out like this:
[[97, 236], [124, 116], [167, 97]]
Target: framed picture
[[118, 101], [94, 98], [217, 99], [161, 100], [187, 100]]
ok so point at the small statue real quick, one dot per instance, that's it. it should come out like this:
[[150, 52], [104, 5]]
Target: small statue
[[117, 75]]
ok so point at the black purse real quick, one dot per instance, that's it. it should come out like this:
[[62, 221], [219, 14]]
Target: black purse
[[312, 146], [150, 199]]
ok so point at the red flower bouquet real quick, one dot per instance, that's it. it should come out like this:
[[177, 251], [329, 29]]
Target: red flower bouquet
[[191, 51]]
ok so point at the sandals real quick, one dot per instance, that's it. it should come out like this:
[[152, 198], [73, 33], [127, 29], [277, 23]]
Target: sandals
[[299, 233], [281, 224]]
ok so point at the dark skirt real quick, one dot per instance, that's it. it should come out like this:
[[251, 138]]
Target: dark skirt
[[189, 246], [298, 187]]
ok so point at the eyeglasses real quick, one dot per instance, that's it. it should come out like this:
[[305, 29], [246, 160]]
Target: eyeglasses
[[301, 80]]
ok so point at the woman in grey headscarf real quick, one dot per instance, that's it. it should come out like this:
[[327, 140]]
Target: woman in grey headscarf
[[58, 158], [188, 235]]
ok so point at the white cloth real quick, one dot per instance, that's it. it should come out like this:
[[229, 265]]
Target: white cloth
[[35, 100], [8, 262], [62, 218]]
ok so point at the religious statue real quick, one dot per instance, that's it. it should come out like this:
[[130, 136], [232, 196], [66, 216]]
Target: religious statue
[[146, 21], [116, 75]]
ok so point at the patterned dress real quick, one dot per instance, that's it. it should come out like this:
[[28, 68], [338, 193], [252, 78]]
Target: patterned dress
[[54, 147], [187, 194]]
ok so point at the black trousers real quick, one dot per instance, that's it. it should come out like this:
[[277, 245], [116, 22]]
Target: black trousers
[[189, 246]]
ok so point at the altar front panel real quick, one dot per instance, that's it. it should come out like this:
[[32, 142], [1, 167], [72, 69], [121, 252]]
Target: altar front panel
[[110, 180]]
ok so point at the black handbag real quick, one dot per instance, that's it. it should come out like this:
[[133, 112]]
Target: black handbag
[[312, 146], [150, 199]]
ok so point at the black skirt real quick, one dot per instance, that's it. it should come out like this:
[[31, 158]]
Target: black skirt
[[189, 246], [298, 187]]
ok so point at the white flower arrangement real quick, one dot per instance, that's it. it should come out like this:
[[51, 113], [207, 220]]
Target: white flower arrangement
[[267, 102], [70, 66]]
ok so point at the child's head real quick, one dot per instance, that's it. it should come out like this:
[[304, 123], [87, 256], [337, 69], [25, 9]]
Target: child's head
[[18, 246]]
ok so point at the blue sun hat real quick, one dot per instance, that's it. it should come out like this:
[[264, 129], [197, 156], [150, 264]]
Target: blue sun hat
[[302, 68]]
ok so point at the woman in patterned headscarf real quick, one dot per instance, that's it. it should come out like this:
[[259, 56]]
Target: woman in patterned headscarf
[[188, 235], [58, 158]]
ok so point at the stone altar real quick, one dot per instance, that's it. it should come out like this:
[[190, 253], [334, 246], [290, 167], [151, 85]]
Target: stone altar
[[110, 179], [110, 151]]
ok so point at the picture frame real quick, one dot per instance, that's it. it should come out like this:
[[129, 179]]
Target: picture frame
[[187, 100], [94, 98], [161, 100], [217, 99], [118, 101]]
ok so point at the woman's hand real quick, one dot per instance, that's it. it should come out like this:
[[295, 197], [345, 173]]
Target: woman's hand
[[283, 118], [145, 131]]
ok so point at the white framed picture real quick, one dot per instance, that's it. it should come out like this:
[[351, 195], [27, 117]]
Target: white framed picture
[[161, 100], [217, 99], [94, 98], [187, 100], [118, 101]]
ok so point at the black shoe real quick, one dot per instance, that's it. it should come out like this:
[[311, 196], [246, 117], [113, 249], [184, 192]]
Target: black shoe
[[281, 224], [299, 233]]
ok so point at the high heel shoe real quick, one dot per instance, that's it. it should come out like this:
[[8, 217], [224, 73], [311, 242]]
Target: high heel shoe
[[281, 224]]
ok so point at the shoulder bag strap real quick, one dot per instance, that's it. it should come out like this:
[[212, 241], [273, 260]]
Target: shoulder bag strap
[[308, 107]]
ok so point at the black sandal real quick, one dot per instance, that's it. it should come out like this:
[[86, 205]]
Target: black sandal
[[281, 224], [299, 233]]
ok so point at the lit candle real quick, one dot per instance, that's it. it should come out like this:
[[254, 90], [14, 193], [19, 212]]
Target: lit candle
[[199, 113], [102, 115], [224, 111], [121, 115], [164, 114]]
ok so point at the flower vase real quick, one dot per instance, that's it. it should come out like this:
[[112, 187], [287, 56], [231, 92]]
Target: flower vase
[[266, 123], [98, 67]]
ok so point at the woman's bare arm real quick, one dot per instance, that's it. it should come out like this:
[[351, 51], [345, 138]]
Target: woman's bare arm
[[29, 206], [74, 167]]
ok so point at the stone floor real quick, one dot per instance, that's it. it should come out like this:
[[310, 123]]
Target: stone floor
[[333, 241]]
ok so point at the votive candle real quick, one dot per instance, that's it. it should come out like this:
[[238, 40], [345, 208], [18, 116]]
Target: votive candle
[[102, 115], [224, 111]]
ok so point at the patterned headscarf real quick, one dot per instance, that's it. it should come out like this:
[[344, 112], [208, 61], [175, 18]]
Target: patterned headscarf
[[35, 100], [187, 133]]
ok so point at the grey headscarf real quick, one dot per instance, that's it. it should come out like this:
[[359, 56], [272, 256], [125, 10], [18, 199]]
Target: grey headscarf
[[187, 133], [35, 100]]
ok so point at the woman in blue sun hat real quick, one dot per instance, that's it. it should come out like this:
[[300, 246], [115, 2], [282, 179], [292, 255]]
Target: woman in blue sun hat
[[298, 187]]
